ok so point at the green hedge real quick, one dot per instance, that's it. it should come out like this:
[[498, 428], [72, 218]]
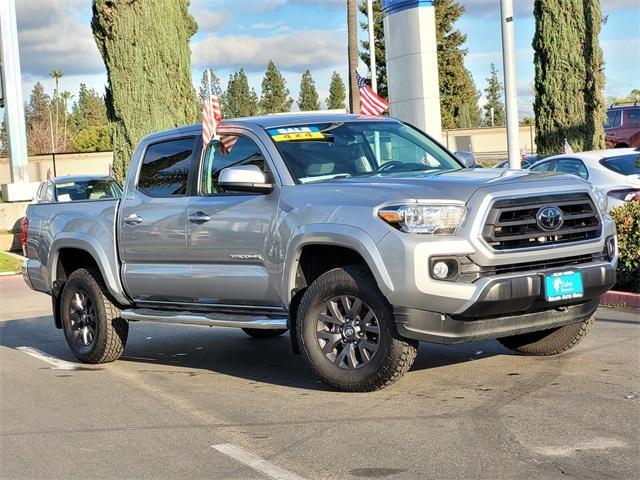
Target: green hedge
[[627, 218]]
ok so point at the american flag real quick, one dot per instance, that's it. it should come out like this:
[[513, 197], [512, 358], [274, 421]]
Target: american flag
[[227, 142], [211, 116], [370, 102]]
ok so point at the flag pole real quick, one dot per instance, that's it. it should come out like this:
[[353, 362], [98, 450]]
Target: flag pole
[[373, 70], [511, 95]]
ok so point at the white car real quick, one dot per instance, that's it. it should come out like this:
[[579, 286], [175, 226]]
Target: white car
[[616, 172]]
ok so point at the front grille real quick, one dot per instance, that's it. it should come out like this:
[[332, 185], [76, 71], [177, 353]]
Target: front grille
[[512, 223], [470, 272]]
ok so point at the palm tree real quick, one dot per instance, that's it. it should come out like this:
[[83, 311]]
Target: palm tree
[[57, 75], [65, 96], [352, 28]]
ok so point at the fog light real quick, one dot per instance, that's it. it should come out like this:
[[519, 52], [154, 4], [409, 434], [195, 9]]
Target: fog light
[[440, 270], [610, 247]]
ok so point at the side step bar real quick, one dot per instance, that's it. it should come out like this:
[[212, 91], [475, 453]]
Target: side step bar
[[205, 319]]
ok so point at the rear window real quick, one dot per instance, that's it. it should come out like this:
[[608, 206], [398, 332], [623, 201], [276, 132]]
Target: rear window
[[613, 119], [165, 168], [624, 165], [99, 189]]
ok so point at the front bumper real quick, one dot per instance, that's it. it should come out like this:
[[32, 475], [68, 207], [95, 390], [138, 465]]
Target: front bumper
[[505, 306]]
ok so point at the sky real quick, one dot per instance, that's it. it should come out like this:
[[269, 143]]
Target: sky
[[301, 34]]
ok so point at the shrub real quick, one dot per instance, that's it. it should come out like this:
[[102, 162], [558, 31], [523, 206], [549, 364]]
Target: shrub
[[627, 218]]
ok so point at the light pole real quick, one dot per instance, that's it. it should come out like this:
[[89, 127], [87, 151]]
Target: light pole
[[372, 48], [510, 92]]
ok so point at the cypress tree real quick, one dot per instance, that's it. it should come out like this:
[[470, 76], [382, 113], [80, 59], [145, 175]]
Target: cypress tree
[[378, 40], [145, 48], [569, 75], [308, 99], [275, 94], [240, 100], [337, 93], [493, 94]]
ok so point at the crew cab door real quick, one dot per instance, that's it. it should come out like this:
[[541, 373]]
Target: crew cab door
[[152, 224], [231, 235]]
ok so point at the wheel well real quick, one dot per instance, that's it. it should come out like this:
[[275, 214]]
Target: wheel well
[[621, 145], [314, 261], [69, 260], [318, 259]]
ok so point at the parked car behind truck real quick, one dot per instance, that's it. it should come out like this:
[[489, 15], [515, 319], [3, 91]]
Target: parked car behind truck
[[361, 236]]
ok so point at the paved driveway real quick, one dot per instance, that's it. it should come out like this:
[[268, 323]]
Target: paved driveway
[[195, 402]]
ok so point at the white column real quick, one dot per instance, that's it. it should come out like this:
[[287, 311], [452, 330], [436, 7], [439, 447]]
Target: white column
[[412, 63], [13, 102], [510, 90]]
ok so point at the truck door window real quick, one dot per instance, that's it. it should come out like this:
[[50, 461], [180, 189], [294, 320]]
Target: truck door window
[[230, 150], [613, 119], [165, 168]]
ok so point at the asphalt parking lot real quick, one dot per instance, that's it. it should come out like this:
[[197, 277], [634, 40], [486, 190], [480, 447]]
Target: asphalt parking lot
[[196, 402]]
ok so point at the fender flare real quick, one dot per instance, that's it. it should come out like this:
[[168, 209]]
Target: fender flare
[[87, 243], [346, 236]]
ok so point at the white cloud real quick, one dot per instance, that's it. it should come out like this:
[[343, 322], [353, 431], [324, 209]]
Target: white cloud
[[291, 51], [489, 8], [211, 21], [53, 36]]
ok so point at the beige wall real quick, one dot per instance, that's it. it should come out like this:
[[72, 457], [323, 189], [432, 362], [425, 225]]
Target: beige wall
[[487, 143], [66, 164]]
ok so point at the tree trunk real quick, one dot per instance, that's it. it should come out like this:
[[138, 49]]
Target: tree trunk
[[352, 27]]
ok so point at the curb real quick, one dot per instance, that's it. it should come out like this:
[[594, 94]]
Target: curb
[[9, 274], [621, 299]]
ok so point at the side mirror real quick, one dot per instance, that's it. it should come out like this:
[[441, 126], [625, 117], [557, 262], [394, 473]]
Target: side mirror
[[468, 159], [244, 178]]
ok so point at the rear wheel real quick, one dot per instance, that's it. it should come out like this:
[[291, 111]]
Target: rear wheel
[[549, 342], [263, 333], [91, 322], [346, 332]]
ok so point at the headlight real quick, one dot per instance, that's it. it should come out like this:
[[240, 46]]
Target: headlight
[[435, 219], [601, 200]]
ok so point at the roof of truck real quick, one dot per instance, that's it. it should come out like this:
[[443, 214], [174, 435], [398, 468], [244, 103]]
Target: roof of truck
[[275, 121]]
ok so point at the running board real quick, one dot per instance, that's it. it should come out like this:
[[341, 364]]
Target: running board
[[209, 320]]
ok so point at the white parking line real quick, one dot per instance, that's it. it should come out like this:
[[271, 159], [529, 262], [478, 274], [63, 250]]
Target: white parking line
[[57, 363], [255, 462]]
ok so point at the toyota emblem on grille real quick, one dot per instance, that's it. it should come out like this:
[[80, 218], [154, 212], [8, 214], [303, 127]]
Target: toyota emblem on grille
[[549, 218]]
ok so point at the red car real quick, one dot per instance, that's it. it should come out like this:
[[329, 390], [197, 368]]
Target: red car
[[622, 128]]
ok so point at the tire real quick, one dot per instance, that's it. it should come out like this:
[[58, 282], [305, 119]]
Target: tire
[[263, 333], [549, 342], [362, 350], [91, 322]]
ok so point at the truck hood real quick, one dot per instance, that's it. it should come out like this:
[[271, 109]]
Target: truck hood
[[457, 185]]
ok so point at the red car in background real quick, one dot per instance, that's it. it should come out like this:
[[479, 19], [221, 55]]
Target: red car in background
[[622, 128]]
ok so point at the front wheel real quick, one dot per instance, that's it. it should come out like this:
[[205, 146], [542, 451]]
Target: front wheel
[[346, 332], [549, 342], [91, 322]]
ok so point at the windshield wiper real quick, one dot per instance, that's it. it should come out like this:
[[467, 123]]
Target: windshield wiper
[[323, 178]]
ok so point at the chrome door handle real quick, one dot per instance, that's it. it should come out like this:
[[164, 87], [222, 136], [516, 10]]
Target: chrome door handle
[[133, 219], [199, 217]]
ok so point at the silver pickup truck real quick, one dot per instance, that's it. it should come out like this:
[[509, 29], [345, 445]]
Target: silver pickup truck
[[361, 236]]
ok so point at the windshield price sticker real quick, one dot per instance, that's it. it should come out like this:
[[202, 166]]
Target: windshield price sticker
[[292, 134]]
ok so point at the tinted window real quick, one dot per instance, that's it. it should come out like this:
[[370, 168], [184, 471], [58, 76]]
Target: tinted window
[[633, 118], [165, 168], [542, 167], [345, 149], [573, 167], [625, 165], [613, 119], [98, 189], [231, 150]]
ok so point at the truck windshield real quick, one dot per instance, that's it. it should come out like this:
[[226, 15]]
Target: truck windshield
[[326, 151]]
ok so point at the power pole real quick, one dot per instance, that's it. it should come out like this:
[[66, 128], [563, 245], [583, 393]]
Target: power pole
[[352, 50], [510, 92]]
